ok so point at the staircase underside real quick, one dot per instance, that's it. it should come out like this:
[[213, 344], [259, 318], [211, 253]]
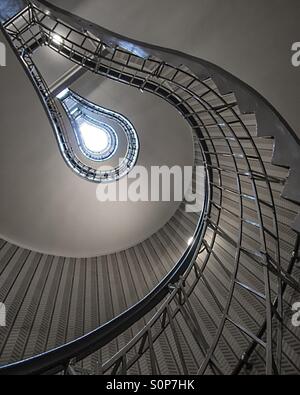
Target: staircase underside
[[230, 309]]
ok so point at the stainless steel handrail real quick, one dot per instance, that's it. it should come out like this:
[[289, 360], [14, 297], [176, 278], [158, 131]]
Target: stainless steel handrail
[[142, 67]]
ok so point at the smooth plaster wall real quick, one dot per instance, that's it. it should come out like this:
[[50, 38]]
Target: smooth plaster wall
[[45, 206]]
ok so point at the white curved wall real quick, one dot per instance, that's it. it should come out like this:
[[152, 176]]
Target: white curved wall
[[46, 207]]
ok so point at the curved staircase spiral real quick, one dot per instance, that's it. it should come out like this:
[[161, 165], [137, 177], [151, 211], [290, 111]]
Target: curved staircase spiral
[[225, 305]]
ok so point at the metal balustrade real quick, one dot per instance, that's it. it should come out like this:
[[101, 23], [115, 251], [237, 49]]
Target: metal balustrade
[[244, 231]]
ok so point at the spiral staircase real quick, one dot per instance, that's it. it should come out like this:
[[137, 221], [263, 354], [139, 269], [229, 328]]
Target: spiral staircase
[[221, 306]]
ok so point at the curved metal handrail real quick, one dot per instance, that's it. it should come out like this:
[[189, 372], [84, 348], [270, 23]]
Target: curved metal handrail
[[59, 359], [208, 70], [56, 360], [250, 100]]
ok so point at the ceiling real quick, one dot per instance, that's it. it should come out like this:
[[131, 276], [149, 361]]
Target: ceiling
[[46, 207]]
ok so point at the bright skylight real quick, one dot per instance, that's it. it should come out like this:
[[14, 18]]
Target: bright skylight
[[63, 94], [95, 139]]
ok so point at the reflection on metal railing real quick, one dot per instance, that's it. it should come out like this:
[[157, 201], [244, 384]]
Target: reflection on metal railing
[[2, 315]]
